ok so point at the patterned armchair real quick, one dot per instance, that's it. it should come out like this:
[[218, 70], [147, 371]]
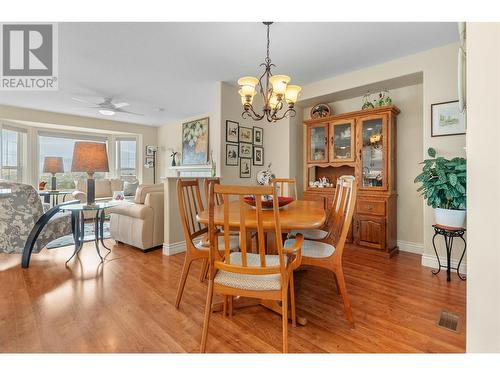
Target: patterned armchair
[[24, 226]]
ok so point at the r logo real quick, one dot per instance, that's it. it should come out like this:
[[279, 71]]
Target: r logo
[[27, 50]]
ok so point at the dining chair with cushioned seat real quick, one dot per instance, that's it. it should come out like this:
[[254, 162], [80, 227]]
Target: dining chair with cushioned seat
[[255, 275], [327, 252], [195, 233]]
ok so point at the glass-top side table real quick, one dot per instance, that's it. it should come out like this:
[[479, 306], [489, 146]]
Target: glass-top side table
[[78, 224], [52, 196]]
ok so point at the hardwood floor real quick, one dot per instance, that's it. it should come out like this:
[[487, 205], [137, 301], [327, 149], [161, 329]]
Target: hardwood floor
[[127, 305]]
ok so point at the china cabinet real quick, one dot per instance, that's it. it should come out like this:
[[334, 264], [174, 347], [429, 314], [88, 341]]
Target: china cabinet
[[363, 144]]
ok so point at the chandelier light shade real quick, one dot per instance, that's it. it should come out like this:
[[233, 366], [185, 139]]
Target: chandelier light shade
[[275, 91]]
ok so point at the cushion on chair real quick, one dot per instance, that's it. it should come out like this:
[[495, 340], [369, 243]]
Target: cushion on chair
[[58, 225], [250, 282], [234, 243], [313, 249], [311, 234]]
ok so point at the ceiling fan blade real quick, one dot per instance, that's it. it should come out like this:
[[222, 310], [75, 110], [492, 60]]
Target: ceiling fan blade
[[83, 101], [119, 110], [121, 105]]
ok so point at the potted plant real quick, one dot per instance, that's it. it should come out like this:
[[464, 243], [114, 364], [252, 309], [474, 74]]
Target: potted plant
[[444, 188]]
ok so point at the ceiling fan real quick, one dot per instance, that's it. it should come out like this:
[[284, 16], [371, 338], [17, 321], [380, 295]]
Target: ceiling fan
[[107, 107]]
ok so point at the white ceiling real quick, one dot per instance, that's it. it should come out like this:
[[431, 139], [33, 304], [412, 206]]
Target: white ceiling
[[175, 66]]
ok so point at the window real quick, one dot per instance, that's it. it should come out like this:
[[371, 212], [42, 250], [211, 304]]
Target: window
[[54, 144], [126, 157], [11, 147]]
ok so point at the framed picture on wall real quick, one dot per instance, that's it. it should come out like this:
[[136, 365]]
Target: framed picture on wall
[[245, 167], [245, 150], [232, 131], [150, 162], [245, 135], [446, 119], [258, 155], [258, 136], [231, 154], [195, 142], [150, 150]]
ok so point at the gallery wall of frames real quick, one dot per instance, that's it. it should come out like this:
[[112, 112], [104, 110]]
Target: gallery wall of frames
[[244, 147]]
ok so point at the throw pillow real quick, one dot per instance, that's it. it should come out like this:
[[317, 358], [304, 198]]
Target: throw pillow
[[129, 188]]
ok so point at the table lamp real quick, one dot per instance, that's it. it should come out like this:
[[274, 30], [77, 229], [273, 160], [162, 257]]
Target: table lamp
[[53, 165], [90, 157]]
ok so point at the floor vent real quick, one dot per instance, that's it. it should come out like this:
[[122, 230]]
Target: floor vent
[[448, 320]]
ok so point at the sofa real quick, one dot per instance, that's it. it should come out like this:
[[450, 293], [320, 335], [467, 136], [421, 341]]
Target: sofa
[[140, 223]]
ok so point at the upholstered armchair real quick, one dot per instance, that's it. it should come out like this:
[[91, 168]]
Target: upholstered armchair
[[140, 223], [24, 226]]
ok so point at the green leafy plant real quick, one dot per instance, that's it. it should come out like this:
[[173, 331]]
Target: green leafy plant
[[443, 181]]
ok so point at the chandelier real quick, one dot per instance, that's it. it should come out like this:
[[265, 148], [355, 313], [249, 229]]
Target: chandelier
[[275, 91]]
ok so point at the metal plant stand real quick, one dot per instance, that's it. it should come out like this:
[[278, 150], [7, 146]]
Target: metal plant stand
[[449, 234]]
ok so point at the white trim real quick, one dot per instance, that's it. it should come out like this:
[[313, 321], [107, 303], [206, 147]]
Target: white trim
[[174, 248], [431, 261], [411, 247]]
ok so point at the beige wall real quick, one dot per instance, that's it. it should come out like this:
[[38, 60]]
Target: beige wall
[[439, 69], [483, 187], [147, 133], [409, 142]]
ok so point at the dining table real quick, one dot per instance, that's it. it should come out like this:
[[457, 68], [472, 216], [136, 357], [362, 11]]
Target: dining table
[[299, 214]]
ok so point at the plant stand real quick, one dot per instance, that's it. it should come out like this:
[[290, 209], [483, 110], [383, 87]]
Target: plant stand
[[449, 234]]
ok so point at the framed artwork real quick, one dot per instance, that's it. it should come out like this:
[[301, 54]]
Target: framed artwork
[[245, 150], [150, 162], [195, 142], [258, 155], [245, 167], [150, 150], [245, 135], [232, 131], [231, 154], [446, 119], [258, 136]]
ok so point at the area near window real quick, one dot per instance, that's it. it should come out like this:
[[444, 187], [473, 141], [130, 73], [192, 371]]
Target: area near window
[[11, 146]]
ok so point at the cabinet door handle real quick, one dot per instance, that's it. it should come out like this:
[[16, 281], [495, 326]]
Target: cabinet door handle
[[326, 140], [369, 208], [331, 140]]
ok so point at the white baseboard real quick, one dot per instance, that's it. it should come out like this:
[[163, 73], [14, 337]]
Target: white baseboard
[[431, 261], [174, 248], [411, 247]]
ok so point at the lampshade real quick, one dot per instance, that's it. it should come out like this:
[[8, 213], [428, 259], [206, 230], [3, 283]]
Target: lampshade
[[292, 93], [248, 81], [247, 90], [53, 164], [90, 157], [273, 101], [244, 99], [279, 83]]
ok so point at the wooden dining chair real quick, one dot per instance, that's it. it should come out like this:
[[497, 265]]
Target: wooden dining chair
[[287, 187], [255, 275], [195, 233], [327, 252], [219, 199]]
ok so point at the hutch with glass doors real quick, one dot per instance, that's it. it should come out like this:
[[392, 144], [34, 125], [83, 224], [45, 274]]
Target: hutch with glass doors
[[363, 144]]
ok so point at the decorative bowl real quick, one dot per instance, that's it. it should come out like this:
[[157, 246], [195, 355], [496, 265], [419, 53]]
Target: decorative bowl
[[268, 204]]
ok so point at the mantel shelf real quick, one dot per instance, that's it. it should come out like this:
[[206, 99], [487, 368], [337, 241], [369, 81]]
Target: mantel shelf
[[199, 167]]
